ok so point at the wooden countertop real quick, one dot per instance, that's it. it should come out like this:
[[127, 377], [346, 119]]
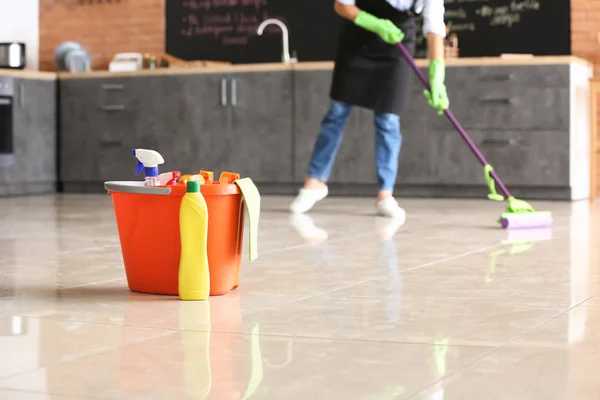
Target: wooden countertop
[[302, 66], [326, 65], [26, 74], [240, 68], [475, 62]]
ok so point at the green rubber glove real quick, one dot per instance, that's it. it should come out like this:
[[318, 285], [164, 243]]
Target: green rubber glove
[[437, 97], [386, 29]]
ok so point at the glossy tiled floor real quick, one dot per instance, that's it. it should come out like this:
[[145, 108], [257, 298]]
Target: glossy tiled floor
[[337, 307]]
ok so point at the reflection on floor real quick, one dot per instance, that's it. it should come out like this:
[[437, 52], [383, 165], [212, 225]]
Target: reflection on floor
[[340, 305]]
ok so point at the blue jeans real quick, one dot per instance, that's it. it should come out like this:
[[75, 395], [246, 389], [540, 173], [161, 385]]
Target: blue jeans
[[387, 144]]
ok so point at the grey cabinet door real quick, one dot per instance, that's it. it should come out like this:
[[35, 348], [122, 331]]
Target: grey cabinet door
[[164, 118], [198, 120], [513, 97], [99, 127], [355, 161], [537, 158], [79, 132], [34, 129], [259, 144], [134, 115]]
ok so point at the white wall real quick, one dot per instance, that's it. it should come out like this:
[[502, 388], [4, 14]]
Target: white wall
[[20, 22]]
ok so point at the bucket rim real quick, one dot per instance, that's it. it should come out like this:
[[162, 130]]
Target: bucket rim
[[135, 187]]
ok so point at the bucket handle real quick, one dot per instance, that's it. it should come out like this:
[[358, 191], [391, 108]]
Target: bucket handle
[[135, 188]]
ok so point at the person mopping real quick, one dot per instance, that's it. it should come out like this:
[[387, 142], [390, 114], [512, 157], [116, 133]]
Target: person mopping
[[371, 73]]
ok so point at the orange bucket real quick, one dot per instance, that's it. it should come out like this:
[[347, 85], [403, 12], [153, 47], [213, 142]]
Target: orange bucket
[[148, 224]]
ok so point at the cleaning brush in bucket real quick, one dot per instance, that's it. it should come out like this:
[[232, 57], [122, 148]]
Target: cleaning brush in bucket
[[519, 213]]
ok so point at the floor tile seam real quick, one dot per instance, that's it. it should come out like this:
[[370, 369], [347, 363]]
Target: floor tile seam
[[502, 346], [453, 257], [301, 297], [170, 331], [24, 391], [92, 283], [272, 307], [62, 253], [343, 339], [369, 232], [411, 269], [304, 245], [432, 299], [103, 350], [4, 379], [503, 302], [116, 325], [65, 252]]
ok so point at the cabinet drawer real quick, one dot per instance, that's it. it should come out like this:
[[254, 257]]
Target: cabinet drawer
[[529, 108], [507, 79], [112, 93], [500, 81], [98, 146], [539, 158], [515, 97]]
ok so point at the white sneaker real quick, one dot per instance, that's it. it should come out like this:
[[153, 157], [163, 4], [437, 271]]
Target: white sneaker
[[307, 198], [388, 207]]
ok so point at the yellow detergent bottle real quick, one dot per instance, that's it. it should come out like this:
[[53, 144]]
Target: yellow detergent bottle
[[194, 275]]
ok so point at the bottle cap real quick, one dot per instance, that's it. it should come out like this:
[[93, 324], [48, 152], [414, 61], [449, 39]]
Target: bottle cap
[[193, 186]]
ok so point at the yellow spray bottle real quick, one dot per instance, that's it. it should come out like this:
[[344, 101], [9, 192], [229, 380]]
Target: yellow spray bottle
[[194, 276]]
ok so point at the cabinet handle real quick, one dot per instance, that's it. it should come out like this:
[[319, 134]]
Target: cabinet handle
[[111, 143], [5, 102], [223, 92], [112, 86], [506, 100], [21, 95], [116, 107], [496, 78], [233, 92], [498, 142]]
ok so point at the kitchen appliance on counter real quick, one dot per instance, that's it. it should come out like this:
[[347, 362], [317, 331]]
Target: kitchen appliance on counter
[[150, 61], [125, 62], [6, 122], [13, 55], [72, 57]]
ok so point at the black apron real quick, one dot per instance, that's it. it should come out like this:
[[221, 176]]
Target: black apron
[[368, 72]]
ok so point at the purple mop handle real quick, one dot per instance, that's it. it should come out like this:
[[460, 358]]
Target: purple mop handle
[[453, 120]]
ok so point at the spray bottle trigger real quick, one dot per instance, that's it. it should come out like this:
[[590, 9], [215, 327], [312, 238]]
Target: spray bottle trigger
[[140, 167]]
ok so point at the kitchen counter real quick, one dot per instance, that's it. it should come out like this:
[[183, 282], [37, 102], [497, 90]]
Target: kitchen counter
[[528, 115], [301, 66], [326, 65], [26, 74], [475, 61]]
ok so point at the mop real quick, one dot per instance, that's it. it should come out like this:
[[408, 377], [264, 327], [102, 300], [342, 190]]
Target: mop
[[519, 213]]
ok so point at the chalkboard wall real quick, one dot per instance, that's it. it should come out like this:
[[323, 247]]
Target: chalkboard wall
[[225, 30]]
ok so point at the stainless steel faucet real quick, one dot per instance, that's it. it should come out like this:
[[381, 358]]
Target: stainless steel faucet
[[285, 57]]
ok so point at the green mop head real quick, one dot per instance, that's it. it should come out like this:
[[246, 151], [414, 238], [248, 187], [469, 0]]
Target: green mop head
[[519, 213]]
